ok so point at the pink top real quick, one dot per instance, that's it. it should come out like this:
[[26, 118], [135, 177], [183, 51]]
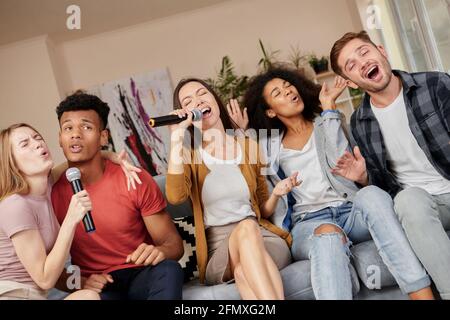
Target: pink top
[[19, 213]]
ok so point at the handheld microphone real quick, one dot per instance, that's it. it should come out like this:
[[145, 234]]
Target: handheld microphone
[[74, 177], [173, 119]]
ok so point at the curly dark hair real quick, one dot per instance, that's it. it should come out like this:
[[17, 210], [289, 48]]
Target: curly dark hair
[[257, 105], [80, 100]]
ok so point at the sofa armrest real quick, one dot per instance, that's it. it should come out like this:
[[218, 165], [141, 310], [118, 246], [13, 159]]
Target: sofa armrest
[[178, 211]]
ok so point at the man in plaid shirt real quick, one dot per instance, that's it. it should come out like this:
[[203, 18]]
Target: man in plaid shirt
[[402, 135]]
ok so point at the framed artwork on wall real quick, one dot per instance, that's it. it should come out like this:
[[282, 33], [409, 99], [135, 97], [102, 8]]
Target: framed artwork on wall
[[133, 100]]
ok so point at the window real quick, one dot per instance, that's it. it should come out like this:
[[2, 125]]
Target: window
[[424, 27]]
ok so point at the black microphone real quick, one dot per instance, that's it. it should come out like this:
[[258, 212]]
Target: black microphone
[[74, 177], [173, 119]]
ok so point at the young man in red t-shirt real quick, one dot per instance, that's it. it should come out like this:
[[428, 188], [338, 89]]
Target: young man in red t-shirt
[[134, 251]]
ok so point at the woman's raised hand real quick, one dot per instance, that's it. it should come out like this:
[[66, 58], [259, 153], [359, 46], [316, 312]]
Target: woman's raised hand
[[329, 95], [240, 117], [286, 185]]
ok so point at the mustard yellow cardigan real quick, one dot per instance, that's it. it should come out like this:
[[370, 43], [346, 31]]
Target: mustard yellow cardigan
[[180, 187]]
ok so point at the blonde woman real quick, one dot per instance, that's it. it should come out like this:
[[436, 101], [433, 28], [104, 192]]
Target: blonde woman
[[33, 246]]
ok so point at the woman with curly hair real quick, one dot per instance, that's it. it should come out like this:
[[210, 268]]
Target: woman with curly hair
[[326, 213]]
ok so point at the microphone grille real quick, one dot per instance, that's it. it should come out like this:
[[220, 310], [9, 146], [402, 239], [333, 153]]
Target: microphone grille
[[196, 114], [73, 174]]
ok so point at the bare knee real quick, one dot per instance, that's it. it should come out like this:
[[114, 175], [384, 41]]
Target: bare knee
[[247, 225], [329, 229], [247, 229], [89, 295], [84, 295]]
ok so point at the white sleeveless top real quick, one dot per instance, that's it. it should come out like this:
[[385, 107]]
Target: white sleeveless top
[[315, 193], [225, 193]]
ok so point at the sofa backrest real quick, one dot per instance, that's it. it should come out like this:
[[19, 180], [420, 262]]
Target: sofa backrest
[[182, 210]]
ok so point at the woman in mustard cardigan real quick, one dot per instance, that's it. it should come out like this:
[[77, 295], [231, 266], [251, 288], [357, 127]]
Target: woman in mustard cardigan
[[221, 174]]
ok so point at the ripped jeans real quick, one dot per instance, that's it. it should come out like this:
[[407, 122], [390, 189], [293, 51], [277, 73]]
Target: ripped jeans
[[370, 215]]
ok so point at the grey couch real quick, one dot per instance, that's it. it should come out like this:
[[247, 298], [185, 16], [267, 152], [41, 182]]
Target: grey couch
[[297, 276]]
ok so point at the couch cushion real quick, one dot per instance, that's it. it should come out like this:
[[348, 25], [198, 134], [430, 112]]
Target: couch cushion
[[182, 210], [296, 281], [188, 261], [194, 290], [368, 263]]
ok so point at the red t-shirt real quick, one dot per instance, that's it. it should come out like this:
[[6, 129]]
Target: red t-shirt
[[118, 218]]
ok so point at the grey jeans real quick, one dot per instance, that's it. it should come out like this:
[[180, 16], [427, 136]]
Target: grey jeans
[[426, 218]]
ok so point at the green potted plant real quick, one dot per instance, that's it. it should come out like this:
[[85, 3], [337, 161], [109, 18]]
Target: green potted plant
[[269, 58], [227, 84], [319, 65]]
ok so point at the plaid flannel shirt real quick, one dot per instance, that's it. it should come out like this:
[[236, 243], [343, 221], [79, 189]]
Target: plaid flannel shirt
[[427, 100]]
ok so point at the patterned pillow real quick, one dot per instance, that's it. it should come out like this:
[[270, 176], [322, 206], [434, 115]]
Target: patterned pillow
[[188, 262]]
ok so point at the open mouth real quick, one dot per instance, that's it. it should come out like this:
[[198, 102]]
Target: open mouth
[[295, 98], [206, 112], [44, 154], [373, 72], [76, 148]]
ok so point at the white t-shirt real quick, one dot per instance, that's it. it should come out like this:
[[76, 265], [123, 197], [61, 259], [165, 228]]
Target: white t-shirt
[[314, 193], [225, 193], [408, 162]]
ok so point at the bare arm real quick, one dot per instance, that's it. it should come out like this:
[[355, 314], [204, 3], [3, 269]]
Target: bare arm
[[165, 235], [177, 133], [45, 269], [333, 123], [167, 242], [178, 178], [269, 206], [268, 203], [282, 188]]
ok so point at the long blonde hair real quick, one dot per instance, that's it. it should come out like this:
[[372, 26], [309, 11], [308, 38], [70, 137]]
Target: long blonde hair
[[12, 181]]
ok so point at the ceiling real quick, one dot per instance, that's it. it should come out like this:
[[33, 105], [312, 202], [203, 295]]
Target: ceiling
[[23, 19]]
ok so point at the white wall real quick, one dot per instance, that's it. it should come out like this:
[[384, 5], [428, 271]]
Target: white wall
[[193, 43], [35, 75], [28, 89]]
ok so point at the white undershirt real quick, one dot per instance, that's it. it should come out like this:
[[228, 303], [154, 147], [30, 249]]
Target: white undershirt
[[408, 162], [225, 193], [314, 193]]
